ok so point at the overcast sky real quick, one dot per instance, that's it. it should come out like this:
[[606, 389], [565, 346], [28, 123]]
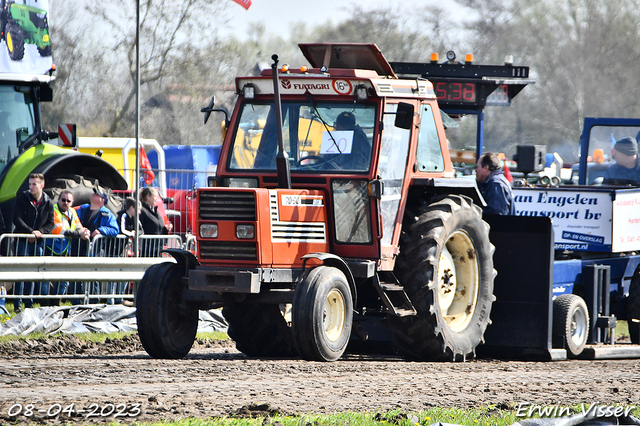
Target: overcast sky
[[278, 15]]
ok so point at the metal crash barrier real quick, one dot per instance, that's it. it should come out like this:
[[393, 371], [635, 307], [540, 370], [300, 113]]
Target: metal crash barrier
[[105, 262]]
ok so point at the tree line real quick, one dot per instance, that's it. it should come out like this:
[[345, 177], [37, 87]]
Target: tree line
[[582, 55]]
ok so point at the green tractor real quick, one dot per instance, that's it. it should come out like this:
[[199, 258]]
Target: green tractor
[[25, 147], [24, 22]]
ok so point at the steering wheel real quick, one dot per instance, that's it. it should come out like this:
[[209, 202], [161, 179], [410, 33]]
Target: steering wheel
[[318, 161]]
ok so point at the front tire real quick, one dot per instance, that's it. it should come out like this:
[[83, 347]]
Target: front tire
[[167, 325], [446, 267], [322, 314], [570, 323], [44, 51]]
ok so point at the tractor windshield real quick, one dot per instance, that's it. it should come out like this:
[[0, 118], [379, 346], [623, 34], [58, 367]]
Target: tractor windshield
[[17, 121], [327, 136], [613, 166]]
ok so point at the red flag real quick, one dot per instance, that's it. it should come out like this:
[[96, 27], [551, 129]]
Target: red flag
[[507, 172], [149, 176], [244, 3]]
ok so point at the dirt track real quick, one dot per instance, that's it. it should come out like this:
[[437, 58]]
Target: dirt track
[[217, 380]]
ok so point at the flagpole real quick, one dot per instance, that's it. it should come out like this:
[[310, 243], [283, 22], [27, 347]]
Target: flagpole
[[136, 239]]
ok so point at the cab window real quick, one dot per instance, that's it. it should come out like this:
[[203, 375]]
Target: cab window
[[429, 155]]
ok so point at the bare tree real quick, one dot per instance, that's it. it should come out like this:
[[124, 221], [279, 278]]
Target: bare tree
[[582, 53]]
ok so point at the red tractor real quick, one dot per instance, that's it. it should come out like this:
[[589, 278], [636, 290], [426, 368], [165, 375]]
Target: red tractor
[[335, 217]]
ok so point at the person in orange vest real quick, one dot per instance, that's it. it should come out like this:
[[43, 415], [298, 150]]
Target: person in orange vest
[[67, 224]]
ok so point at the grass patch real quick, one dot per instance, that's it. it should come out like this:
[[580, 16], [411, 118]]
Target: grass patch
[[216, 335], [485, 416], [622, 328]]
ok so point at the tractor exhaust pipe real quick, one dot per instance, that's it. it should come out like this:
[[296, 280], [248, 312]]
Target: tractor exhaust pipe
[[282, 159]]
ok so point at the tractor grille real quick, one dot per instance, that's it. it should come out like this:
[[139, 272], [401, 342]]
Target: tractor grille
[[225, 205], [228, 250]]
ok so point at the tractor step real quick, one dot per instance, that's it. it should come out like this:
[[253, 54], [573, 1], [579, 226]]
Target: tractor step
[[393, 296]]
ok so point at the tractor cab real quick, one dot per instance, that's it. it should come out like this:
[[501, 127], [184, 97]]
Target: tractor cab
[[597, 164], [347, 125]]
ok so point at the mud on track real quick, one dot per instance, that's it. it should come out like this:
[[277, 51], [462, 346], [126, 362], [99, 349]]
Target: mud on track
[[216, 380]]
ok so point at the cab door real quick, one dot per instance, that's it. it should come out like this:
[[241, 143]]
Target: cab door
[[392, 170]]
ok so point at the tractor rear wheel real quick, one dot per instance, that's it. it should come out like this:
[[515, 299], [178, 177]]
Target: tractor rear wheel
[[322, 314], [633, 308], [259, 330], [446, 267], [15, 41], [81, 188], [570, 323], [167, 324]]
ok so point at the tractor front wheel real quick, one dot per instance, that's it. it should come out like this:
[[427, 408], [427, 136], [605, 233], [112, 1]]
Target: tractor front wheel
[[44, 51], [167, 324], [322, 314]]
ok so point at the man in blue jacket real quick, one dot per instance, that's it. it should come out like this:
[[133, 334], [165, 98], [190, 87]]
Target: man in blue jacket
[[493, 185], [626, 168], [99, 220]]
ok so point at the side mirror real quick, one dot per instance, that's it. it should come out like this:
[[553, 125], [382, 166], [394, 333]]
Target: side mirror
[[209, 109], [404, 116], [22, 133]]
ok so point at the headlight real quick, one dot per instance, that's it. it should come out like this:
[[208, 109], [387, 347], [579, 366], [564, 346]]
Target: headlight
[[249, 91], [240, 182], [245, 232], [209, 230]]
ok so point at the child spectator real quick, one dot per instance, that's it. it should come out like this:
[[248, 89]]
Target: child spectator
[[127, 217], [126, 222]]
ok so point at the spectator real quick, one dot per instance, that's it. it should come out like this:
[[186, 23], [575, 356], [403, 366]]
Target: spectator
[[152, 222], [126, 221], [494, 186], [100, 222], [67, 224], [626, 169], [32, 214], [127, 217]]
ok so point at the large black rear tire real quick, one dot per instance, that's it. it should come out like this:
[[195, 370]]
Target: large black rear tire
[[167, 325], [259, 330], [446, 267], [633, 308], [15, 41], [322, 314], [81, 188], [570, 323]]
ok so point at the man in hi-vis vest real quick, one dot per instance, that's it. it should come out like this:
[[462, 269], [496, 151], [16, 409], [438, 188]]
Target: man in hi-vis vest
[[66, 223]]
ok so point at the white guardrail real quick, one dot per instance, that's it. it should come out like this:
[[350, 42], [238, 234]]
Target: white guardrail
[[105, 259], [50, 268]]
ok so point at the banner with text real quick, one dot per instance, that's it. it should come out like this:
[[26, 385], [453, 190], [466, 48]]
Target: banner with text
[[581, 220]]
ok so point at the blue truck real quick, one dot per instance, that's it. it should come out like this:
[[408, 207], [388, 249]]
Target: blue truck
[[593, 271]]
